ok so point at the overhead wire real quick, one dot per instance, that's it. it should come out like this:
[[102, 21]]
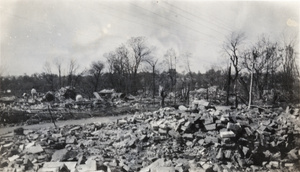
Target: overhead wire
[[205, 26], [190, 28], [163, 26], [209, 21]]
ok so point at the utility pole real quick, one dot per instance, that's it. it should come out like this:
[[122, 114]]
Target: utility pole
[[251, 79]]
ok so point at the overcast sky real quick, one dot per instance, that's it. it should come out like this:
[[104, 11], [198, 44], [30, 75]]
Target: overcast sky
[[34, 32]]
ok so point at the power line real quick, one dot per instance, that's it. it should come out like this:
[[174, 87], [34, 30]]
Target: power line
[[222, 24], [135, 22], [173, 21], [195, 21]]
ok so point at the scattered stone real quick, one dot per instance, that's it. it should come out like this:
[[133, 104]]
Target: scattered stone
[[228, 154], [210, 127], [182, 108], [59, 155], [13, 158], [233, 127], [227, 134], [54, 167], [274, 164], [34, 149], [220, 155], [165, 140]]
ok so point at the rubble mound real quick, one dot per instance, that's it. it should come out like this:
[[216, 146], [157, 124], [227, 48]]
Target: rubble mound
[[164, 140]]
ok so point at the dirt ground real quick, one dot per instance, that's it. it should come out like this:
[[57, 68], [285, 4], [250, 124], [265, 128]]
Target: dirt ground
[[105, 119]]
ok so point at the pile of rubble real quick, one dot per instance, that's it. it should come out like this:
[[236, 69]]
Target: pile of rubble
[[64, 104], [165, 140]]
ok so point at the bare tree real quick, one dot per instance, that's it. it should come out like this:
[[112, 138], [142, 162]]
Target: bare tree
[[152, 62], [170, 62], [119, 69], [96, 71], [290, 71], [231, 48], [262, 61], [73, 67], [190, 82], [58, 64], [49, 76], [140, 53]]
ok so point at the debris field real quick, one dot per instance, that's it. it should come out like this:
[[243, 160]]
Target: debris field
[[167, 140]]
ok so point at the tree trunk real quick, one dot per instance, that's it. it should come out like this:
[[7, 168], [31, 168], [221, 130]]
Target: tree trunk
[[59, 77], [250, 90], [153, 80], [228, 85]]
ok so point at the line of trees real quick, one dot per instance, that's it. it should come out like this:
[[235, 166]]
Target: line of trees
[[265, 68], [253, 72]]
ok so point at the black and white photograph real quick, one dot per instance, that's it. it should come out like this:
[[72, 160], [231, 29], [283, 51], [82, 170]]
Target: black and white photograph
[[149, 86]]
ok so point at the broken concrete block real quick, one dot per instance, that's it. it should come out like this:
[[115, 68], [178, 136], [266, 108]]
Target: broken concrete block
[[186, 126], [217, 168], [208, 120], [162, 131], [34, 136], [276, 156], [254, 168], [245, 150], [248, 131], [54, 167], [174, 134], [210, 139], [220, 154], [182, 108], [224, 119], [13, 158], [292, 155], [221, 126], [59, 155], [240, 161], [227, 134], [71, 140], [34, 149], [210, 127], [9, 169], [8, 145], [20, 168], [289, 164], [188, 136], [233, 127], [155, 126], [158, 163], [201, 141], [267, 153], [228, 154], [189, 144], [122, 121], [98, 97], [207, 167], [274, 164], [165, 169], [92, 164], [71, 166], [243, 123], [27, 163]]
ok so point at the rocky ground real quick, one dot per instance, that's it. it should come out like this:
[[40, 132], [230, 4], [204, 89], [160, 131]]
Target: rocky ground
[[165, 140]]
